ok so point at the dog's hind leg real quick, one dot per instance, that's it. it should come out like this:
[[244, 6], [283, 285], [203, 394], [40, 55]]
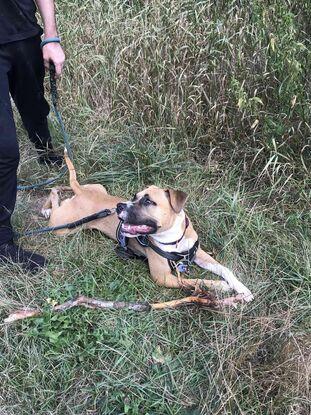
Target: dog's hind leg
[[51, 203], [207, 262]]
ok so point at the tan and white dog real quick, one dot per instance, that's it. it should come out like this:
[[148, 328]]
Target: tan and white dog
[[158, 213]]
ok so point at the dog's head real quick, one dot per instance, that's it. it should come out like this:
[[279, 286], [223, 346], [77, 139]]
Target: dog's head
[[151, 211]]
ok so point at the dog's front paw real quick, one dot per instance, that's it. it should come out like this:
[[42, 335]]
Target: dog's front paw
[[238, 287], [46, 213], [245, 293], [248, 297]]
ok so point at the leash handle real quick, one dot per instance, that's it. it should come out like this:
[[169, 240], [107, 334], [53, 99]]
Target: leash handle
[[53, 86]]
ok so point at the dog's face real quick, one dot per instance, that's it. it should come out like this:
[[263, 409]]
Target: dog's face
[[151, 211]]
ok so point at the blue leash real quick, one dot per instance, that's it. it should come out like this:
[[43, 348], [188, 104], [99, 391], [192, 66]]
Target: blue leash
[[71, 225], [54, 98]]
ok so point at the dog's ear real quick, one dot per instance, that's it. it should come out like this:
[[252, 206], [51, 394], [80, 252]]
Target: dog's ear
[[177, 199]]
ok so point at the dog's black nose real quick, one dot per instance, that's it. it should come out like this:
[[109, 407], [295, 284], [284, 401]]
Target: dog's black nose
[[120, 207]]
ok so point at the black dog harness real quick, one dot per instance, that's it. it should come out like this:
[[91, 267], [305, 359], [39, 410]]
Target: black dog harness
[[176, 260]]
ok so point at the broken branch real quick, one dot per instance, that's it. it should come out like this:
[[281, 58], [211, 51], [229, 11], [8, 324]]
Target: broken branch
[[95, 303]]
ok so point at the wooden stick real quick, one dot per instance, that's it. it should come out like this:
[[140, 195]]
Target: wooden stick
[[95, 303], [210, 301]]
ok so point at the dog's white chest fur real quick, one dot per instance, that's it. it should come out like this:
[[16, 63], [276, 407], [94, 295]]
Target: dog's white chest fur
[[174, 234]]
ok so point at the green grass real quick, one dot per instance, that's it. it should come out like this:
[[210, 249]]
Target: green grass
[[168, 93]]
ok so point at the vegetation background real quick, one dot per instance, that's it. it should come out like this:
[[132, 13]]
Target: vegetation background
[[214, 98]]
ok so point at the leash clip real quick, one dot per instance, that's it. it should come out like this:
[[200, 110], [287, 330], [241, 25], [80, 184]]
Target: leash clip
[[182, 267]]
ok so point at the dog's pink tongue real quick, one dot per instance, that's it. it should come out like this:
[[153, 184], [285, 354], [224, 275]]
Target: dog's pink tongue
[[134, 229]]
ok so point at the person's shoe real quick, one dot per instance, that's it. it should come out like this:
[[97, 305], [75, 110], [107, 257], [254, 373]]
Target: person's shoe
[[50, 158], [29, 261]]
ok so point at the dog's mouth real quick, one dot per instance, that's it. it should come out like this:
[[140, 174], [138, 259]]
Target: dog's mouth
[[136, 229]]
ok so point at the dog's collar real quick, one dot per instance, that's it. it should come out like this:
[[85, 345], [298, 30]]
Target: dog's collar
[[177, 260], [180, 239]]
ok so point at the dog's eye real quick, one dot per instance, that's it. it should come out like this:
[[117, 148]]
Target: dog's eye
[[148, 202]]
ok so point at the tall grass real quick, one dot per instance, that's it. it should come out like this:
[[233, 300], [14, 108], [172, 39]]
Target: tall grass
[[231, 74]]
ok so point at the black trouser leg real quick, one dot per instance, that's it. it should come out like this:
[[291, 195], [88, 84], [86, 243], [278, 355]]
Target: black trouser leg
[[26, 87], [9, 152]]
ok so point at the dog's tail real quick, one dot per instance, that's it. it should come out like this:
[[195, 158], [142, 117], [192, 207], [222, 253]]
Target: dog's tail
[[74, 184]]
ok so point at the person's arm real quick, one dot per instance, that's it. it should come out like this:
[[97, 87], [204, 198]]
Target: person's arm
[[51, 51]]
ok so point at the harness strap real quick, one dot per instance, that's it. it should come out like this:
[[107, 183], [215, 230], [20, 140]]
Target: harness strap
[[180, 260], [121, 238], [171, 256], [178, 240]]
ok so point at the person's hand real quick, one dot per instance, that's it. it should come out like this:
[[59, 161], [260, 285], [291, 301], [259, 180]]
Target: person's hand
[[53, 52]]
